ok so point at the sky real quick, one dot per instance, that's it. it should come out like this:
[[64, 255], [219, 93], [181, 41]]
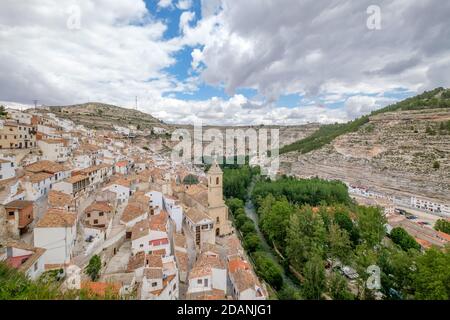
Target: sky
[[225, 62]]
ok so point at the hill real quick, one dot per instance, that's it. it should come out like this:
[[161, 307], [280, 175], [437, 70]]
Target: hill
[[103, 116], [401, 149], [437, 98]]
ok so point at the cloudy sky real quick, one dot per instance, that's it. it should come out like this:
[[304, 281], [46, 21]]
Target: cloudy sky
[[225, 61]]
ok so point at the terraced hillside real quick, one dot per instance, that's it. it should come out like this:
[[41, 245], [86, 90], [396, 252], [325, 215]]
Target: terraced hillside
[[103, 116], [394, 152]]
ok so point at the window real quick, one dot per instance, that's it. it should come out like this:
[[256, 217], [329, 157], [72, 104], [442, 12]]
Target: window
[[100, 214], [217, 180], [35, 266], [11, 213], [206, 282], [199, 281], [95, 221], [154, 284], [218, 220]]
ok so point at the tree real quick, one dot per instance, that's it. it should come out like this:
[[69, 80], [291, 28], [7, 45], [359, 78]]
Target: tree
[[443, 226], [371, 225], [400, 237], [305, 237], [93, 268], [252, 242], [268, 269], [339, 244], [248, 227], [288, 293], [342, 218], [338, 288], [432, 278], [315, 282], [397, 270], [274, 221], [234, 204], [241, 219], [3, 112]]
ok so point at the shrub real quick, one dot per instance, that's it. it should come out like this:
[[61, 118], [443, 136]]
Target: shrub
[[252, 242], [248, 227], [400, 237], [436, 165], [240, 220], [268, 270]]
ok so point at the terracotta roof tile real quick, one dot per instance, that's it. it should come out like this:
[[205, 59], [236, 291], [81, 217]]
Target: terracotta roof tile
[[55, 218]]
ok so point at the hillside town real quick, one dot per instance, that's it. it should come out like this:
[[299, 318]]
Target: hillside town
[[69, 193]]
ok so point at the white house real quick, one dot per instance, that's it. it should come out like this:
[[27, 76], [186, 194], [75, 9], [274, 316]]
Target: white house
[[175, 211], [160, 279], [10, 190], [121, 167], [201, 226], [37, 185], [132, 214], [27, 259], [7, 169], [156, 201], [209, 273], [20, 116], [54, 149], [56, 232], [245, 284], [150, 237], [82, 160], [74, 185], [122, 188]]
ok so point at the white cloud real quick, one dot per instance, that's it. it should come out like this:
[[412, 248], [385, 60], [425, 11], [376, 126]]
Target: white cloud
[[118, 53], [314, 47], [184, 4], [165, 3], [322, 50], [197, 57], [185, 18]]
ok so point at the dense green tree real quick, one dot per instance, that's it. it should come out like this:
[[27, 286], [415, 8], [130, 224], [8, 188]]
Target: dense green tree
[[268, 269], [241, 219], [339, 244], [400, 237], [397, 267], [305, 237], [289, 293], [342, 218], [94, 267], [303, 191], [248, 227], [252, 242], [274, 220], [234, 204], [314, 283], [432, 278], [338, 288], [443, 226], [371, 225]]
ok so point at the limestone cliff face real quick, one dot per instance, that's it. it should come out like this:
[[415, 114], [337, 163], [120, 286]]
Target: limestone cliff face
[[395, 153]]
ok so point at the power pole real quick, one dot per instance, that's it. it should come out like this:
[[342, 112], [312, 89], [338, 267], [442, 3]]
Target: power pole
[[136, 102], [35, 103]]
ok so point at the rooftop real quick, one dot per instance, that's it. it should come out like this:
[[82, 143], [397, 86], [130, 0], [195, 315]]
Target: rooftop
[[56, 218]]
